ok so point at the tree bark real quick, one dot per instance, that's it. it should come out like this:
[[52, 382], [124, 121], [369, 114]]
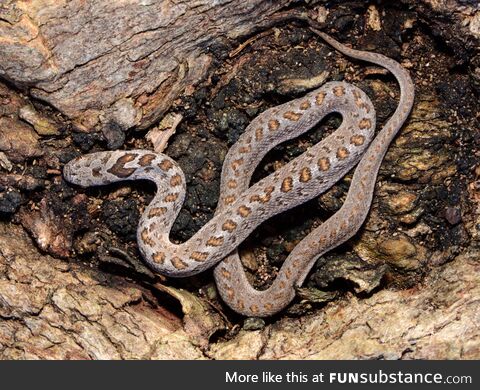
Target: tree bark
[[121, 62]]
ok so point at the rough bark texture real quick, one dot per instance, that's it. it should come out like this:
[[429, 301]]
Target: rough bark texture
[[51, 309], [118, 62], [78, 74]]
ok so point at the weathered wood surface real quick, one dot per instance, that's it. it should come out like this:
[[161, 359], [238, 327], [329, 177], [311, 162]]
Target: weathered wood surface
[[107, 61], [71, 283], [50, 309]]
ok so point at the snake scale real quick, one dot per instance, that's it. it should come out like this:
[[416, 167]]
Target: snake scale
[[242, 207]]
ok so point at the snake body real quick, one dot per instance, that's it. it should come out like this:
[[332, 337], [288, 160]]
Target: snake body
[[241, 207]]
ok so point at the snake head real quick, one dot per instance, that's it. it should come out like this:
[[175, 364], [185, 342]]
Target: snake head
[[80, 171]]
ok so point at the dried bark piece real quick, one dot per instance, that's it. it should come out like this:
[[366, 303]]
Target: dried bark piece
[[127, 72], [199, 321], [5, 162], [438, 322], [18, 140], [160, 135], [55, 310], [42, 124], [49, 230]]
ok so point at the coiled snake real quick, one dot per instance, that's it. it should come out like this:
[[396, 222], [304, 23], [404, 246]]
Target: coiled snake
[[241, 207]]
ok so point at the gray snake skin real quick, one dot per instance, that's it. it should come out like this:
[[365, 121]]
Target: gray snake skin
[[241, 207]]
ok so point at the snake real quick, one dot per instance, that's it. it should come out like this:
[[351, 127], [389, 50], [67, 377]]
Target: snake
[[243, 206]]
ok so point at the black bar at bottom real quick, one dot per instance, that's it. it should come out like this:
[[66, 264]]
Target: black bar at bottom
[[240, 374]]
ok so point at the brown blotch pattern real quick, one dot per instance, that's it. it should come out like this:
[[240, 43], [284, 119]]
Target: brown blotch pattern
[[342, 153], [288, 273], [245, 149], [230, 293], [366, 107], [339, 91], [96, 172], [244, 211], [287, 184], [215, 241], [255, 198], [229, 225], [236, 164], [175, 180], [324, 164], [273, 124], [156, 212], [292, 116], [365, 123], [118, 169], [165, 165], [305, 105], [263, 198], [146, 238], [259, 134], [232, 184], [153, 226], [320, 98], [225, 273], [254, 309], [146, 159], [269, 189], [159, 257], [199, 256], [359, 102], [229, 199], [171, 198], [357, 140], [178, 263], [305, 175]]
